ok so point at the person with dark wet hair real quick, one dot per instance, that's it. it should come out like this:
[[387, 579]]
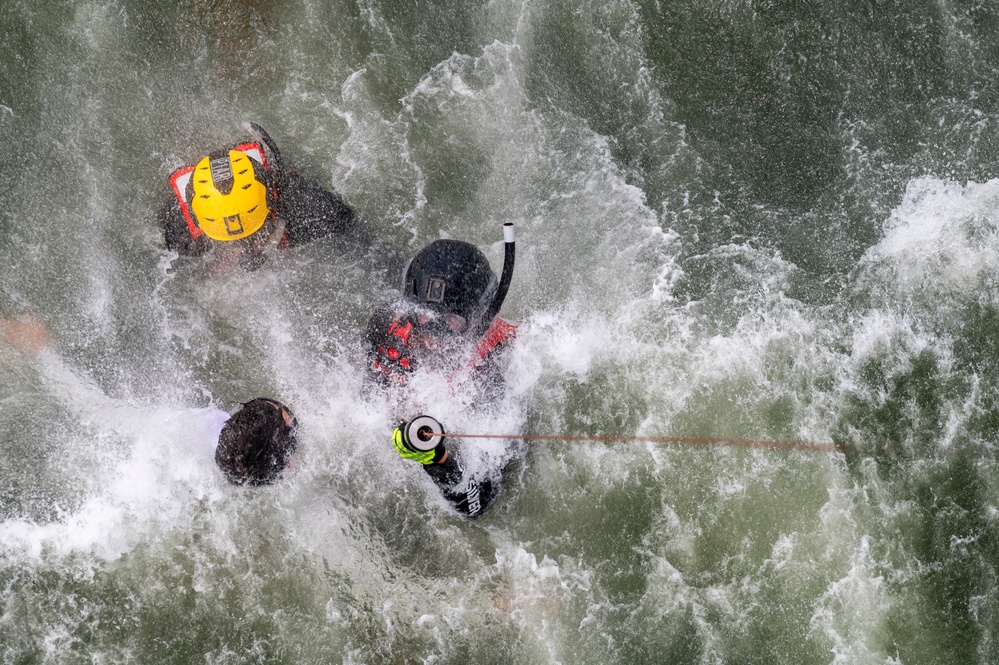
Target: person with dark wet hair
[[256, 443], [446, 322], [237, 206]]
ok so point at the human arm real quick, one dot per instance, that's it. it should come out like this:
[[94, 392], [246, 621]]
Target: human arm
[[468, 496], [176, 233], [389, 345]]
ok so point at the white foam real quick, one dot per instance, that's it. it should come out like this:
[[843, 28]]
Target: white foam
[[942, 237], [168, 468], [851, 612]]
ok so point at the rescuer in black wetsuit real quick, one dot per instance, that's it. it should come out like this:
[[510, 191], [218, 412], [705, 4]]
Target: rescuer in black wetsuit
[[237, 206], [445, 322]]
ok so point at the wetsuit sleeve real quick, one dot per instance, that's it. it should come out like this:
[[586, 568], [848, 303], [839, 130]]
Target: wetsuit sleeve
[[312, 212], [175, 232], [471, 496]]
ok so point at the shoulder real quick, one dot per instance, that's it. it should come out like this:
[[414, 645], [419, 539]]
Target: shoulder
[[310, 210], [169, 213], [500, 330], [176, 233], [498, 335]]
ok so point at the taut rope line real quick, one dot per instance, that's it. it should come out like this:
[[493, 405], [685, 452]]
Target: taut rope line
[[686, 440]]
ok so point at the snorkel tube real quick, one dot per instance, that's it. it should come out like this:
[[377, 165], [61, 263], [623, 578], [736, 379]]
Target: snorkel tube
[[252, 260], [509, 255]]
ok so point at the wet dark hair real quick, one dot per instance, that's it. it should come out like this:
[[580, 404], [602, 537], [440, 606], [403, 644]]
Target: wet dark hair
[[256, 443]]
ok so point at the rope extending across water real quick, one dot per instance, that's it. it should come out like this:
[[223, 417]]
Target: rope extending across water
[[685, 440]]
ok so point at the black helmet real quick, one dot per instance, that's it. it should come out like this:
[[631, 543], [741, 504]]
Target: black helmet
[[450, 276]]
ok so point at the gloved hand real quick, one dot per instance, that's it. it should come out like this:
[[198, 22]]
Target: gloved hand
[[408, 451]]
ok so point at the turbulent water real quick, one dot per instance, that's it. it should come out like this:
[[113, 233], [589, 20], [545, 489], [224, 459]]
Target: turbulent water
[[753, 220]]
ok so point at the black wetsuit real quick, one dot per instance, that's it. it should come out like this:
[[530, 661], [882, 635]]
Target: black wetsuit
[[309, 211], [470, 496], [391, 360]]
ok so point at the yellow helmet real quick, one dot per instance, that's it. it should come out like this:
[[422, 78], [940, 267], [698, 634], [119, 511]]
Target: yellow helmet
[[227, 196]]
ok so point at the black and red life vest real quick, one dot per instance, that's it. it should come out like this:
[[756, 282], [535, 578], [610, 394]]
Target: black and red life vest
[[392, 355]]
